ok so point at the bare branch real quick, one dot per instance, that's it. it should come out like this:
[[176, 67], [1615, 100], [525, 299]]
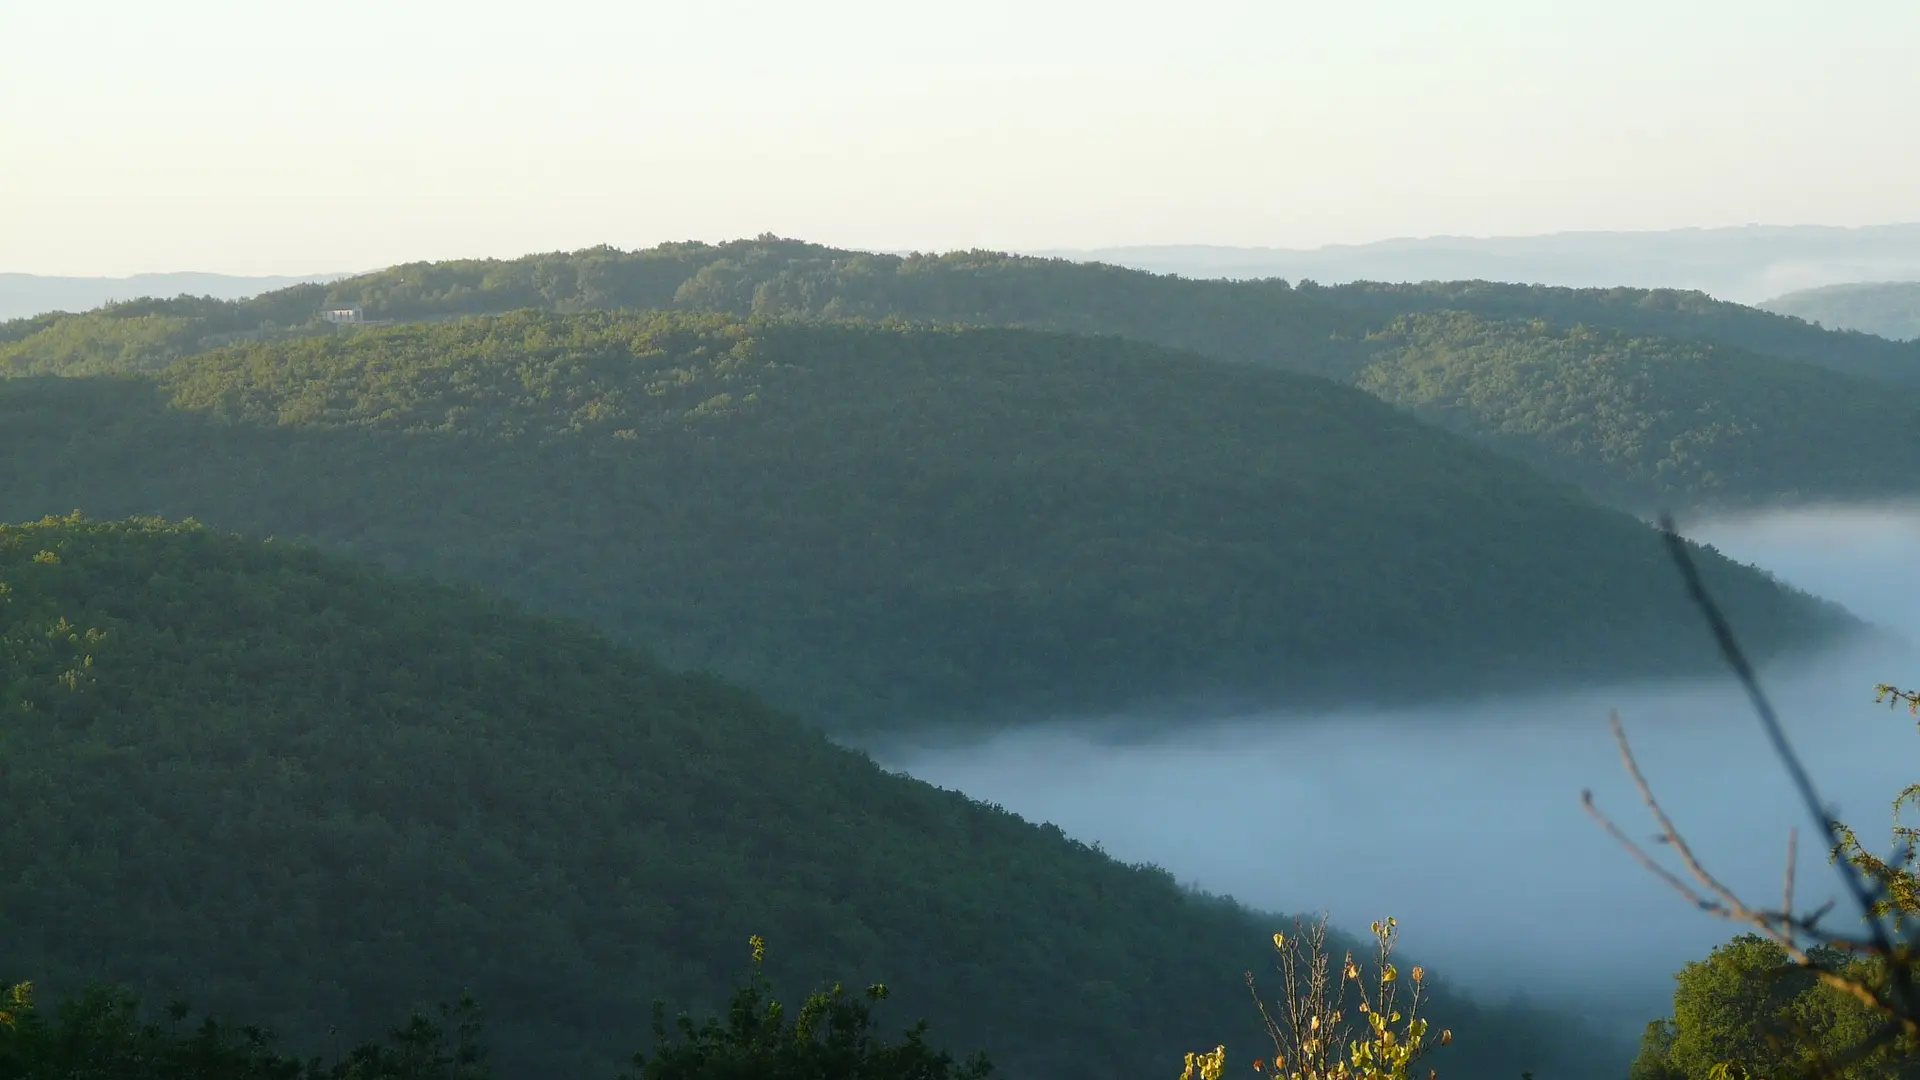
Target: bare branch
[[1899, 1006], [1645, 860], [1786, 887], [1736, 659]]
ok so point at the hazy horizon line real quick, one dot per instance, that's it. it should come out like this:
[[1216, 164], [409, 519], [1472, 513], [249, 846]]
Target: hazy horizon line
[[1351, 245]]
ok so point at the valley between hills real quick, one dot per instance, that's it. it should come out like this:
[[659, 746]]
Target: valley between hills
[[533, 641]]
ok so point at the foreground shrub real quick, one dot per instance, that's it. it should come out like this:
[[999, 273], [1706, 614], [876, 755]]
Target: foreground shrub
[[830, 1037], [1314, 1033], [100, 1034]]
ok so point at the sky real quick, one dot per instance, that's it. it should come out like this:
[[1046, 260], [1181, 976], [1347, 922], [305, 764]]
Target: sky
[[246, 137]]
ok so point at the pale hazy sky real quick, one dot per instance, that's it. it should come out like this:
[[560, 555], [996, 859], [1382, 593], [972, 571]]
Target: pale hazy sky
[[257, 136]]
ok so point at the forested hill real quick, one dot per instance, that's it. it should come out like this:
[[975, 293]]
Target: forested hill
[[1888, 309], [887, 526], [1647, 313], [314, 794], [764, 277], [1791, 419], [1251, 320], [1649, 422]]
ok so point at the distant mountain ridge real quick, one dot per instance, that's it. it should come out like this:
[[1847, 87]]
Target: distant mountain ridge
[[1744, 264], [1888, 309], [25, 295]]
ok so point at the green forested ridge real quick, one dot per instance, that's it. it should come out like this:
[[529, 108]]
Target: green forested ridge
[[890, 526], [1648, 421], [1267, 320], [1334, 332], [1888, 309], [1673, 313], [312, 794], [764, 277], [95, 343]]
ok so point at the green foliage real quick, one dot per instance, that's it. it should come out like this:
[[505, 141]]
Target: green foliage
[[1717, 403], [761, 277], [102, 343], [1888, 309], [309, 792], [1647, 422], [1897, 877], [1646, 313], [1654, 1061], [1748, 1009], [101, 1033], [1315, 1037], [830, 1037], [887, 526]]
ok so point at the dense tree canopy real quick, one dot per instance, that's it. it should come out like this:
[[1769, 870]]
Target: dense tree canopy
[[886, 526], [1645, 313], [1785, 409], [765, 277], [104, 1032], [312, 794], [1645, 421], [1750, 1006]]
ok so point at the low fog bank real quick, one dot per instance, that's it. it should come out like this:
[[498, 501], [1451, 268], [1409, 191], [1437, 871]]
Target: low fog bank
[[1865, 556], [1465, 821]]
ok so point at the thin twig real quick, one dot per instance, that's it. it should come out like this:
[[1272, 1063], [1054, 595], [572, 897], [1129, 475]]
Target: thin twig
[[1777, 926], [1645, 860], [1784, 927], [1669, 831], [1786, 890], [1769, 720]]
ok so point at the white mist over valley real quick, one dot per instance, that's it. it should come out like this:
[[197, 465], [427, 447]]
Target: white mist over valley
[[1465, 822]]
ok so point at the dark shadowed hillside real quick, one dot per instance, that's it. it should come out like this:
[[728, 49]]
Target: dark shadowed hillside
[[314, 794], [888, 526]]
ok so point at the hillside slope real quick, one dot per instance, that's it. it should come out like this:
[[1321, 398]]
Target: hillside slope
[[1684, 316], [315, 794], [1333, 332], [765, 277], [890, 526], [1649, 422], [1888, 309], [1263, 320]]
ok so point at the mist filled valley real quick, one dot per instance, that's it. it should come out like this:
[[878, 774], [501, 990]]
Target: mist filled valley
[[1465, 820]]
